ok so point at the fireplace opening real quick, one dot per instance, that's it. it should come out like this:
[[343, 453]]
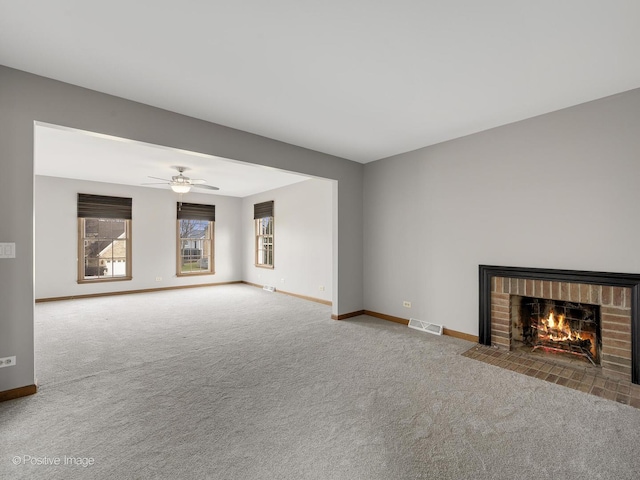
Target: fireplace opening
[[569, 329]]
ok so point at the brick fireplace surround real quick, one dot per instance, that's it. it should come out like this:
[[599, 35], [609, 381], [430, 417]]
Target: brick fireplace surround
[[617, 295]]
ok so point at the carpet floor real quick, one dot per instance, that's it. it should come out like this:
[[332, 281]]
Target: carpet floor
[[232, 382]]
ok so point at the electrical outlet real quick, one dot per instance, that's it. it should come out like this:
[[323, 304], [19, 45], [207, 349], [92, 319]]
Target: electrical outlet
[[406, 304], [322, 288], [7, 361], [158, 279], [282, 280], [7, 250]]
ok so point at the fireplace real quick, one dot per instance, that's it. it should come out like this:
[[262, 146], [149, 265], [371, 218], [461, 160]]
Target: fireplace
[[589, 317]]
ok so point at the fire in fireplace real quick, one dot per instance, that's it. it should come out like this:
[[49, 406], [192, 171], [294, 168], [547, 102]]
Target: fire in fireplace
[[555, 326]]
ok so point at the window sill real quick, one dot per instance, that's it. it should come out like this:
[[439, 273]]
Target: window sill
[[195, 274], [270, 267], [105, 280]]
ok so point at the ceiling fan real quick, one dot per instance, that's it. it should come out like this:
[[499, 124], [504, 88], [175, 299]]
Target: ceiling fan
[[181, 184]]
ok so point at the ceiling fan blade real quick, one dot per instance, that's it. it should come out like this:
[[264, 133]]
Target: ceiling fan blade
[[157, 178], [198, 181], [162, 183], [208, 187]]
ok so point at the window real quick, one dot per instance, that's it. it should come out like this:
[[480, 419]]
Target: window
[[263, 218], [195, 239], [104, 238]]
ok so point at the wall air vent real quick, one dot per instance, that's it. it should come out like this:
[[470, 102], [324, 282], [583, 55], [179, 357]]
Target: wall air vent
[[425, 326]]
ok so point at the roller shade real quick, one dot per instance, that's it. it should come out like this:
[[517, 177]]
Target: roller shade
[[262, 210], [196, 211], [100, 206]]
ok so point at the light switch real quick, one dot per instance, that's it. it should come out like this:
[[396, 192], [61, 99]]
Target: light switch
[[7, 250]]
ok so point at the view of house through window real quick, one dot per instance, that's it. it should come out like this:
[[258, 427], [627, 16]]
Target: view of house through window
[[105, 247], [263, 217], [195, 238], [104, 241]]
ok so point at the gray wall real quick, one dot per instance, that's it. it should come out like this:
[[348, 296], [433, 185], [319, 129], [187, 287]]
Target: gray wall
[[25, 98], [556, 191], [153, 237], [303, 249]]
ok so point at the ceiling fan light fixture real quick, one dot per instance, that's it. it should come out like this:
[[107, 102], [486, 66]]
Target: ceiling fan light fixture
[[181, 184], [180, 187]]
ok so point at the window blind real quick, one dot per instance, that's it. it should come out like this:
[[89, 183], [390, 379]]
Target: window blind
[[196, 211], [100, 206], [262, 210]]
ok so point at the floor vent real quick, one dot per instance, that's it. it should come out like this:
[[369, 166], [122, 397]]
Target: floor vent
[[425, 326], [269, 288]]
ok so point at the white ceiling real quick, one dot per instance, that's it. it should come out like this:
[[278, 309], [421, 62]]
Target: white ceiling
[[70, 153], [360, 79]]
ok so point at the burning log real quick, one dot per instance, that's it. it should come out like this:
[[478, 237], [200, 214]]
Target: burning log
[[559, 326], [557, 333]]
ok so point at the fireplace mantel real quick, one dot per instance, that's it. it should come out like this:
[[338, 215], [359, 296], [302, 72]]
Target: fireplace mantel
[[626, 280]]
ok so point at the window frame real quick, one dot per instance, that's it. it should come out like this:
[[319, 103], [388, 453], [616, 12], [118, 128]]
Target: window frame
[[81, 252], [260, 212], [199, 212], [103, 207]]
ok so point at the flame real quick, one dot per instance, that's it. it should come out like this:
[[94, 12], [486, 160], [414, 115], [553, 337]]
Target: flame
[[552, 329]]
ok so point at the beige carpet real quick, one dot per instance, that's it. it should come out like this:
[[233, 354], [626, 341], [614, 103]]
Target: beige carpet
[[232, 382]]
